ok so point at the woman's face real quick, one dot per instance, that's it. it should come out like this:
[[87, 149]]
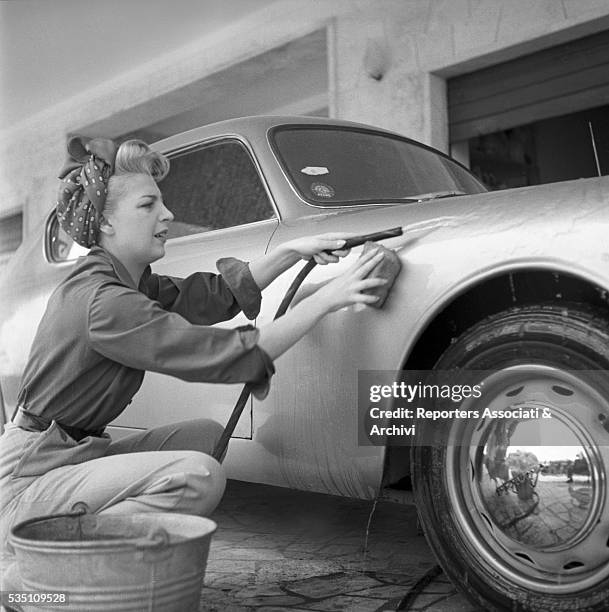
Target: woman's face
[[139, 222]]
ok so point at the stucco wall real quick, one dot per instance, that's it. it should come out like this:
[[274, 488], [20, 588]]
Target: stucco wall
[[412, 45]]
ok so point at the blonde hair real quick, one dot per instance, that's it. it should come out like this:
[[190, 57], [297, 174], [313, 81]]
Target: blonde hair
[[133, 157]]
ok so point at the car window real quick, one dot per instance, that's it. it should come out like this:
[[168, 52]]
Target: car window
[[213, 187], [339, 166]]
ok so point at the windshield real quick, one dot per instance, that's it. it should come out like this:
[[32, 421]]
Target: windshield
[[333, 166]]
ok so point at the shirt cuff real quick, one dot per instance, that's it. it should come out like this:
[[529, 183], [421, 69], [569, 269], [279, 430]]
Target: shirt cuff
[[237, 275], [262, 383]]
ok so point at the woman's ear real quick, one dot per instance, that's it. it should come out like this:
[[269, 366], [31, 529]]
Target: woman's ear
[[105, 226]]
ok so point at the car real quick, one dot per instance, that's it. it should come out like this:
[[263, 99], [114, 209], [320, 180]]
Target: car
[[503, 292]]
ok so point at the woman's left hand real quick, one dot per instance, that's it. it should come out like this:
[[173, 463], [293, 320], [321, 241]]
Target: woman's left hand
[[323, 248]]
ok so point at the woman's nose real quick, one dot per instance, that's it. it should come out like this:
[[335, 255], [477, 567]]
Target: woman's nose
[[166, 214]]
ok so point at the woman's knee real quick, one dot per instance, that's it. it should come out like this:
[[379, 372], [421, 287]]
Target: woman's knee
[[204, 483], [196, 435]]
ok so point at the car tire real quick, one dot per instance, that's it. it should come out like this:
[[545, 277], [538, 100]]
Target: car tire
[[526, 541]]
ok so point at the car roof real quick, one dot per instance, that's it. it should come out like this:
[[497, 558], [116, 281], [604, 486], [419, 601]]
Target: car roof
[[254, 126]]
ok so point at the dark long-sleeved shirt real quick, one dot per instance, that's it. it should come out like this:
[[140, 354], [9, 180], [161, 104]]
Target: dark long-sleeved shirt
[[100, 333]]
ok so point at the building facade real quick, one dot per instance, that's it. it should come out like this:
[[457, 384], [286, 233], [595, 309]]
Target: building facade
[[504, 85]]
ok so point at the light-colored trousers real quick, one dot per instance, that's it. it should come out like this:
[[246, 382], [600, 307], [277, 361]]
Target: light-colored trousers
[[165, 469]]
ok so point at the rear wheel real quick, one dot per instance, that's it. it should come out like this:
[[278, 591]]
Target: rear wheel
[[516, 509]]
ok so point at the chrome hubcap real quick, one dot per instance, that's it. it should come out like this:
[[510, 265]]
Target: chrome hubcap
[[530, 492]]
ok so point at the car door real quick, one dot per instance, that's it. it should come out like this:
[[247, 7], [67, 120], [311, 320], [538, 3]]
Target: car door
[[222, 208]]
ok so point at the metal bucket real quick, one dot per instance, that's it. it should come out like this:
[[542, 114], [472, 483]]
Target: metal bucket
[[151, 561]]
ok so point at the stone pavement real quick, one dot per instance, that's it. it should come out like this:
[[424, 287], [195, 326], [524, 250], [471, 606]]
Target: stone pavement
[[278, 549]]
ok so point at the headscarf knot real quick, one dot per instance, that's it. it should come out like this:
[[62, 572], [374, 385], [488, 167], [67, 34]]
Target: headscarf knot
[[84, 187]]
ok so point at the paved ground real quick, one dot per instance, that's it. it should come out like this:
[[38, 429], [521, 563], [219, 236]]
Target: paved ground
[[280, 550], [277, 549]]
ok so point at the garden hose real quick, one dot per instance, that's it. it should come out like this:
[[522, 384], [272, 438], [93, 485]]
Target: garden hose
[[354, 241]]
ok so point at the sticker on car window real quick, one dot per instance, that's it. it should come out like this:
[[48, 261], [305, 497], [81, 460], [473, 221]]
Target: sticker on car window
[[315, 170], [322, 190]]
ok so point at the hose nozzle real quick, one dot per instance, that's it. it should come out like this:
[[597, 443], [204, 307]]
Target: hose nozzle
[[358, 240]]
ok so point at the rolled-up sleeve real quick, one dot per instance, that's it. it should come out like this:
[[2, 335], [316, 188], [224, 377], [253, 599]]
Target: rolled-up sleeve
[[126, 326], [249, 337], [206, 298], [238, 277]]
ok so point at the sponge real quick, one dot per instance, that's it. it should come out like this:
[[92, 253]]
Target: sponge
[[388, 268]]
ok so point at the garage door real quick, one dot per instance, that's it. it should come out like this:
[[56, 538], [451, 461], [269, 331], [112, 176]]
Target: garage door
[[563, 79]]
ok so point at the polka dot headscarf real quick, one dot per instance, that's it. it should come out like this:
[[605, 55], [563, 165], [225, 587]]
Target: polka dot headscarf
[[84, 187]]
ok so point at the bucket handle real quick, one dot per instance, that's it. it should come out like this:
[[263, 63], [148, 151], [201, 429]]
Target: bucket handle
[[78, 509], [156, 548], [157, 538]]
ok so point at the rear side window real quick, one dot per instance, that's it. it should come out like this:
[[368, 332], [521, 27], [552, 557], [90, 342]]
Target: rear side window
[[213, 187], [344, 166]]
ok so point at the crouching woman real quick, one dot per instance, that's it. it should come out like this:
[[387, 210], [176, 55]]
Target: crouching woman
[[112, 319]]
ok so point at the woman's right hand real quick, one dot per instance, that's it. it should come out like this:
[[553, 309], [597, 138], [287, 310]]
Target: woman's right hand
[[279, 335], [348, 288]]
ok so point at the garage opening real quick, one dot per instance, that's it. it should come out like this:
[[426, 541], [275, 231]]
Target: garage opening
[[289, 79], [558, 149], [540, 118]]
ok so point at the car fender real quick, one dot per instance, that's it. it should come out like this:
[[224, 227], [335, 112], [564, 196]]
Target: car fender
[[305, 432]]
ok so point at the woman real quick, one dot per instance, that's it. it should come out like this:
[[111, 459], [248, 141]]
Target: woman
[[111, 319]]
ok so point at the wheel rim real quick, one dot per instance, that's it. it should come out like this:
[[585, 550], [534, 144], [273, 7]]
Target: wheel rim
[[540, 531]]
